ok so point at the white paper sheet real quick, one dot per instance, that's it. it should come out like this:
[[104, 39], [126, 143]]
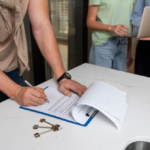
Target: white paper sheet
[[99, 96], [105, 98], [60, 105]]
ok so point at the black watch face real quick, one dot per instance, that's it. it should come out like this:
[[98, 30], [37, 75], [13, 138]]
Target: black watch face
[[68, 75]]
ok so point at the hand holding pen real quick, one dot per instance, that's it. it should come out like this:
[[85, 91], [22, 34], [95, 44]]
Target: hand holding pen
[[36, 88], [27, 96]]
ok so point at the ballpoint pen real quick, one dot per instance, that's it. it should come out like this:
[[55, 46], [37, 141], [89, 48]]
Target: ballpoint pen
[[33, 88]]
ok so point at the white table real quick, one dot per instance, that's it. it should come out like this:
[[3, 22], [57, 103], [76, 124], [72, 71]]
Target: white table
[[16, 131]]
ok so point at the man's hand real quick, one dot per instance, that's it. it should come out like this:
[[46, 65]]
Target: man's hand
[[27, 96], [45, 38], [66, 85], [143, 39], [120, 30], [129, 55], [129, 59]]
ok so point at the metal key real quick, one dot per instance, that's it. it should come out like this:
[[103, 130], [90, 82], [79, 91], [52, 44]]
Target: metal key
[[37, 126], [54, 127], [43, 120], [36, 135]]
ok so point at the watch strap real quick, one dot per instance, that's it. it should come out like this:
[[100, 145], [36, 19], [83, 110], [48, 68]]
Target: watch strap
[[62, 77]]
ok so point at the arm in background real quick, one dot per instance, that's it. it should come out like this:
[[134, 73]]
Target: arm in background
[[120, 30], [129, 56]]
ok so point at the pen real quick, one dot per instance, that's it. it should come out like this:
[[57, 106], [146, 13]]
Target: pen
[[33, 87], [87, 114]]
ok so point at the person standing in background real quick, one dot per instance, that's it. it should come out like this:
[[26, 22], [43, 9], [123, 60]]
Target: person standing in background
[[110, 21], [142, 60]]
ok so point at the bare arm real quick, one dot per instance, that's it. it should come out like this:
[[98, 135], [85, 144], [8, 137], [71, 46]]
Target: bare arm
[[121, 30], [91, 20], [144, 39], [129, 56], [45, 38], [44, 35]]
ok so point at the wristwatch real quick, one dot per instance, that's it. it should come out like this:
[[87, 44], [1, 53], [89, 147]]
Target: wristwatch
[[65, 75]]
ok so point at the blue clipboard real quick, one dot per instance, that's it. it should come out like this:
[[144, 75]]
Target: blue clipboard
[[84, 125]]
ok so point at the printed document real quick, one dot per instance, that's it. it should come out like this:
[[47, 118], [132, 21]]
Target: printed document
[[99, 96]]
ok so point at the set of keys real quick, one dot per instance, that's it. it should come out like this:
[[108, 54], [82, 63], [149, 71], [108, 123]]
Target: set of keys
[[52, 128]]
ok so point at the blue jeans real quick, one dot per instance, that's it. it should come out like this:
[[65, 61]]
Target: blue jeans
[[111, 54], [14, 75]]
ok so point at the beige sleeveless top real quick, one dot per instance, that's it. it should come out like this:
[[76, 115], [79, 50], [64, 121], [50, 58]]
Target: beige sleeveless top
[[8, 50]]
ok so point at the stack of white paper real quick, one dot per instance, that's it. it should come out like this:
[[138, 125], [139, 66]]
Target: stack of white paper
[[99, 96]]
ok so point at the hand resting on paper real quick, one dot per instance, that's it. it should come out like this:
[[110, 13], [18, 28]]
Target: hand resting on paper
[[67, 85], [26, 96]]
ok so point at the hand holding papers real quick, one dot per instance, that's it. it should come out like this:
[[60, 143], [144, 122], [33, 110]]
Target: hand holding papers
[[99, 96]]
